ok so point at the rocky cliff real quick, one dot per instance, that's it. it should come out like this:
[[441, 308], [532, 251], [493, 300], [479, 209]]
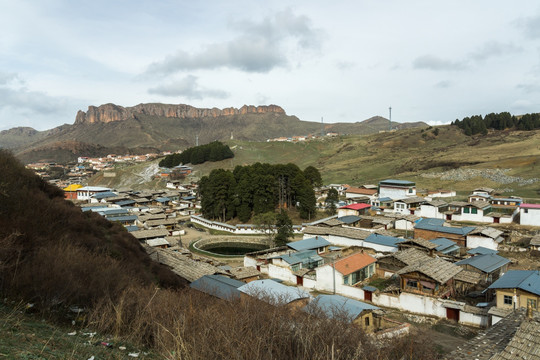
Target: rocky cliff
[[111, 112]]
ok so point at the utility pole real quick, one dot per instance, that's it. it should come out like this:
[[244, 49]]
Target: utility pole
[[197, 140], [390, 117]]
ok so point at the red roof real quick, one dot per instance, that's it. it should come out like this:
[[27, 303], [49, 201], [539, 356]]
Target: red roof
[[356, 206], [354, 263], [530, 206]]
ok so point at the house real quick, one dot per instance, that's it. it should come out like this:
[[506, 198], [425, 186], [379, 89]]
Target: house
[[535, 243], [420, 244], [158, 243], [529, 214], [70, 192], [144, 235], [516, 336], [433, 209], [491, 266], [384, 204], [85, 193], [383, 243], [348, 236], [346, 271], [483, 191], [342, 308], [389, 265], [245, 274], [406, 222], [446, 247], [219, 286], [433, 277], [486, 237], [317, 243], [517, 289], [396, 189], [474, 211], [408, 205], [275, 293], [435, 228], [353, 193], [353, 209], [306, 259]]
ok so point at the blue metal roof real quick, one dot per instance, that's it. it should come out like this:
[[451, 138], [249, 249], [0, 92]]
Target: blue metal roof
[[111, 211], [219, 286], [188, 197], [437, 225], [443, 243], [122, 218], [396, 182], [304, 257], [486, 263], [125, 202], [482, 251], [273, 292], [527, 280], [104, 195], [309, 244], [131, 228], [370, 288], [383, 240], [349, 219], [163, 199], [385, 199], [338, 306]]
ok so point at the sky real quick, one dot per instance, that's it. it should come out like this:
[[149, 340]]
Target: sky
[[344, 61]]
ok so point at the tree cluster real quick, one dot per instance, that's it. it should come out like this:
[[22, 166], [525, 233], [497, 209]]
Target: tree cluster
[[479, 125], [214, 151], [257, 189]]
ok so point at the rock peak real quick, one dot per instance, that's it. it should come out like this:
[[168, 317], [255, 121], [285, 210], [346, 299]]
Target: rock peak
[[110, 112]]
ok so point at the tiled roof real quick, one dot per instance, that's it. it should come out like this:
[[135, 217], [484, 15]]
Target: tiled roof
[[513, 337], [487, 231], [354, 263], [355, 190], [410, 256], [420, 242], [471, 277], [486, 263], [436, 268]]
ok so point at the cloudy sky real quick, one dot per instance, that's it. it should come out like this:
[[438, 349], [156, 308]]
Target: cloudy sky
[[346, 61]]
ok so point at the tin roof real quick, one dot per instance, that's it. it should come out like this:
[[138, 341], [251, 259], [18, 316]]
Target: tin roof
[[437, 225], [383, 240], [356, 206], [337, 306], [486, 263], [397, 182], [219, 286], [480, 250], [443, 243], [309, 244], [527, 280], [530, 206], [273, 292]]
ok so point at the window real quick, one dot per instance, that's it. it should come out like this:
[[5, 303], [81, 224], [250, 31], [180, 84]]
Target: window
[[474, 211], [410, 190], [531, 303], [295, 267], [412, 284], [465, 210], [507, 300], [526, 211], [346, 279], [366, 321]]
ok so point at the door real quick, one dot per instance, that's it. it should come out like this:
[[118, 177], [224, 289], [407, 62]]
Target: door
[[367, 295], [299, 280], [452, 314], [496, 220], [448, 217]]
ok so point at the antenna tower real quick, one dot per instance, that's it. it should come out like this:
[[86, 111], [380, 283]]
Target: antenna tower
[[390, 117]]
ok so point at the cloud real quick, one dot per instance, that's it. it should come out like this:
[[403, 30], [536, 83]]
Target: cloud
[[260, 47], [430, 62], [494, 49], [189, 88], [529, 88], [443, 84], [531, 26]]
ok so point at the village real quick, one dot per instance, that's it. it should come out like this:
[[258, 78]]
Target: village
[[390, 247]]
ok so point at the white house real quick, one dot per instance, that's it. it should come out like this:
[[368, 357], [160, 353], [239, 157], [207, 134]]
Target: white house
[[396, 189], [486, 237], [85, 193], [529, 214], [434, 209], [345, 272], [408, 205]]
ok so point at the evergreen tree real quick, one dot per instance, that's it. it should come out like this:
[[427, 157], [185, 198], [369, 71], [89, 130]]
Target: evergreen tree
[[313, 175], [284, 228]]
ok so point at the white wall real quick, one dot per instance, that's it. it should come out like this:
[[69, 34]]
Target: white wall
[[476, 241], [281, 273], [532, 218], [394, 193], [430, 211]]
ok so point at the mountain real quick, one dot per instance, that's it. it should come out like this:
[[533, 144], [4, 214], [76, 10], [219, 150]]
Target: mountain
[[172, 127]]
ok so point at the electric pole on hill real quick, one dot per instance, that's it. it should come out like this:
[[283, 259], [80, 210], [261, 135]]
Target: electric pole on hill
[[390, 117]]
